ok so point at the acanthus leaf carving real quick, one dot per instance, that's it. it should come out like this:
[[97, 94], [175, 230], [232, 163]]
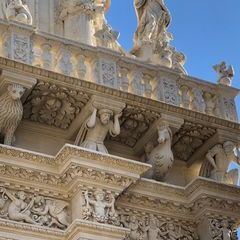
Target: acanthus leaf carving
[[53, 105]]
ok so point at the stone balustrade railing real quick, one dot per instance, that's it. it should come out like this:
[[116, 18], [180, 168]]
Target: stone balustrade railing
[[115, 69]]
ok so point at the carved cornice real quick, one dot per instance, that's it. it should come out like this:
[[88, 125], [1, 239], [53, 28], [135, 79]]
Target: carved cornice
[[103, 229], [90, 88], [198, 198], [72, 166], [70, 151]]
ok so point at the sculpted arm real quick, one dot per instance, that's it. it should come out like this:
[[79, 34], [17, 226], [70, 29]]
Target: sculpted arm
[[92, 120], [210, 158], [116, 125]]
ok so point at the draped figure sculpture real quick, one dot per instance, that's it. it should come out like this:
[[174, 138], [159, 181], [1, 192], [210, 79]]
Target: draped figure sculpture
[[153, 19], [17, 10]]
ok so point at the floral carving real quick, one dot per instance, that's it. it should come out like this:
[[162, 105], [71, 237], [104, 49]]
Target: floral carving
[[23, 207], [134, 123], [189, 138], [53, 105]]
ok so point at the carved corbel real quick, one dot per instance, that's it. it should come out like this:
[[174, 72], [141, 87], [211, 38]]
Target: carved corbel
[[8, 78], [12, 88]]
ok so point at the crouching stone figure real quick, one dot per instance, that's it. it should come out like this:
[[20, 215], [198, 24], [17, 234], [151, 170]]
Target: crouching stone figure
[[11, 112], [95, 129]]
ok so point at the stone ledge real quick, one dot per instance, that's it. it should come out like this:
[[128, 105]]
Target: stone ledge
[[93, 88]]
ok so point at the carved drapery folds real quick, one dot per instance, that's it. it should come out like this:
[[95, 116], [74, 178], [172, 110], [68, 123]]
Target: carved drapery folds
[[152, 39], [53, 105], [17, 10], [29, 208]]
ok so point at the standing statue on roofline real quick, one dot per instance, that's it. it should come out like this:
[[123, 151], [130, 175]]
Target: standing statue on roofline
[[153, 19], [17, 10]]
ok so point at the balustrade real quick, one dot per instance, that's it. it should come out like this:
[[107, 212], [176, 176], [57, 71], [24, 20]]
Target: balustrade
[[116, 70]]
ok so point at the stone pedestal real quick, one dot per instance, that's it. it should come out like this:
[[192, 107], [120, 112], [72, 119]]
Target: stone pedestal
[[79, 27]]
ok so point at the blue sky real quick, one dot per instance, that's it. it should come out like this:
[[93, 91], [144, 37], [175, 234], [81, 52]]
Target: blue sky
[[207, 31]]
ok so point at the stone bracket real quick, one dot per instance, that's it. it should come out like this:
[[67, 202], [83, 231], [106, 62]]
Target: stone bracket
[[7, 78]]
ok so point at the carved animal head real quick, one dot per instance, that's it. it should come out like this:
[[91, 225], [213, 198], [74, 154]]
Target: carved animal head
[[15, 91], [164, 133]]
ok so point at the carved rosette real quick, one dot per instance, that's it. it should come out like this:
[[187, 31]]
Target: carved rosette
[[53, 105], [134, 124]]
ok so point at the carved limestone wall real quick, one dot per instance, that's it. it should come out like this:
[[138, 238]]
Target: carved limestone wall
[[34, 209], [116, 70]]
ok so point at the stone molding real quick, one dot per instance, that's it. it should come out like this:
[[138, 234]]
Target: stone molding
[[92, 88]]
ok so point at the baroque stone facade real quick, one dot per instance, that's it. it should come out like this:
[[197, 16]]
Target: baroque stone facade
[[98, 143]]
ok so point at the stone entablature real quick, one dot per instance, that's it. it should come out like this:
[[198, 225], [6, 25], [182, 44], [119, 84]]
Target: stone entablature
[[178, 210], [116, 70]]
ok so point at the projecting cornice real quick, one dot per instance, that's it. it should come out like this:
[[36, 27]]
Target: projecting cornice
[[131, 99]]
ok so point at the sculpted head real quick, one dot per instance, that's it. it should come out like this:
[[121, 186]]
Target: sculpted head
[[171, 226], [164, 133], [15, 91], [105, 115], [21, 195], [229, 147], [99, 195]]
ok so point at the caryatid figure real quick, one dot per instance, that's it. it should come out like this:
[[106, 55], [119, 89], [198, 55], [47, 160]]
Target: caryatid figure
[[94, 131], [153, 19]]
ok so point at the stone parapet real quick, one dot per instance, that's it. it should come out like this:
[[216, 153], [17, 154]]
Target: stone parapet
[[117, 70]]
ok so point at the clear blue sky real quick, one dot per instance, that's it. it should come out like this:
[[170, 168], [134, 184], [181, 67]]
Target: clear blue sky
[[207, 31]]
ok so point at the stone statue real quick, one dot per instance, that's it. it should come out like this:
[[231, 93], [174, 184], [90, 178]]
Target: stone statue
[[220, 157], [225, 75], [178, 61], [161, 157], [101, 210], [29, 208], [17, 10], [46, 208], [11, 112], [153, 17], [132, 223], [18, 209], [94, 131]]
